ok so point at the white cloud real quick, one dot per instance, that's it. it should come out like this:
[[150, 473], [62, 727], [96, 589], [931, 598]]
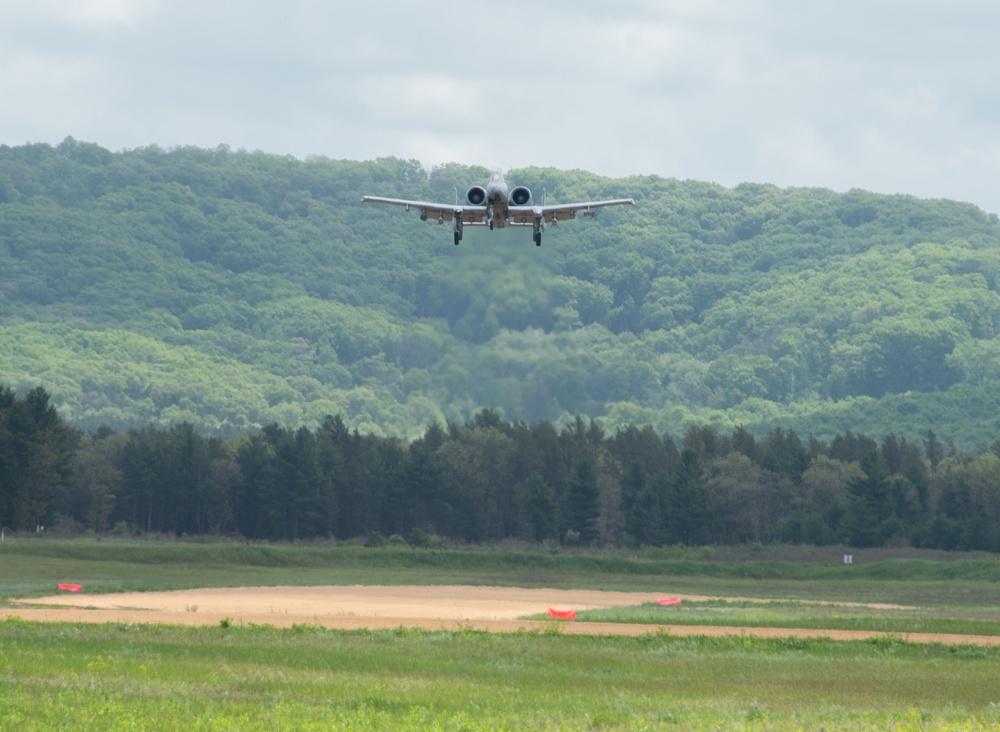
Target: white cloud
[[421, 98], [917, 102], [797, 151], [86, 13]]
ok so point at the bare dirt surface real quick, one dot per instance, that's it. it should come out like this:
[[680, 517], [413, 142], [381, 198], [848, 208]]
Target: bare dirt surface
[[494, 609]]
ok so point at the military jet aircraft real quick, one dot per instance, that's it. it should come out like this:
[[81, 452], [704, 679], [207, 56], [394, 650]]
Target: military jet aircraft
[[496, 207]]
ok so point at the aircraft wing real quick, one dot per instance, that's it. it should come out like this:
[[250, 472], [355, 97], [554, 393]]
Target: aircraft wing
[[526, 215], [439, 212]]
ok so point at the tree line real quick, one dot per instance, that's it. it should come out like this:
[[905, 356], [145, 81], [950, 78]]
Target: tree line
[[491, 479]]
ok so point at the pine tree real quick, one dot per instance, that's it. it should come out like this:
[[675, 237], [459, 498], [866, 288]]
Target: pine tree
[[582, 503]]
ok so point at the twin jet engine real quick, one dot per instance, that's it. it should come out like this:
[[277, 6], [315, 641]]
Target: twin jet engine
[[519, 196]]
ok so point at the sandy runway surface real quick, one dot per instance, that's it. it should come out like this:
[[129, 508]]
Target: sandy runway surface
[[495, 609], [333, 606]]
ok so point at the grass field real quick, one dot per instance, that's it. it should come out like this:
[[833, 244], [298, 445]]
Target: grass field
[[148, 677], [231, 676], [974, 620], [32, 567]]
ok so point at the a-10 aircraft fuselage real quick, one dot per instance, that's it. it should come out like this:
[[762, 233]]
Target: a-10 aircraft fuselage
[[496, 206]]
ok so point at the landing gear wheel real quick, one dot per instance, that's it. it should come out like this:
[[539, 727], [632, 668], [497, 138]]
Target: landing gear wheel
[[538, 238], [458, 238]]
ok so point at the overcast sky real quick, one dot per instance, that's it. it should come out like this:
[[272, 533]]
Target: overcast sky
[[895, 96]]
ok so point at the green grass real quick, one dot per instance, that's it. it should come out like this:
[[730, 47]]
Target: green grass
[[128, 676], [776, 614], [115, 676], [33, 566]]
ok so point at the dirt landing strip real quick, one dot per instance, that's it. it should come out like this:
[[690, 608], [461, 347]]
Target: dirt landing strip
[[494, 609]]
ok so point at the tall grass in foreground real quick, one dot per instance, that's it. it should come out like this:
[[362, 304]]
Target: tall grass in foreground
[[260, 678]]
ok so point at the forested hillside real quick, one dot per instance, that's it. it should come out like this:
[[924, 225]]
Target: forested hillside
[[231, 290]]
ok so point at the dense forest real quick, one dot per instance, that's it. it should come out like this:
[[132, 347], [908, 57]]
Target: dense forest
[[490, 480], [230, 290]]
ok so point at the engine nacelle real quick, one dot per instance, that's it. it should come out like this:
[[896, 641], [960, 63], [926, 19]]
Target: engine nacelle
[[476, 195], [520, 196]]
